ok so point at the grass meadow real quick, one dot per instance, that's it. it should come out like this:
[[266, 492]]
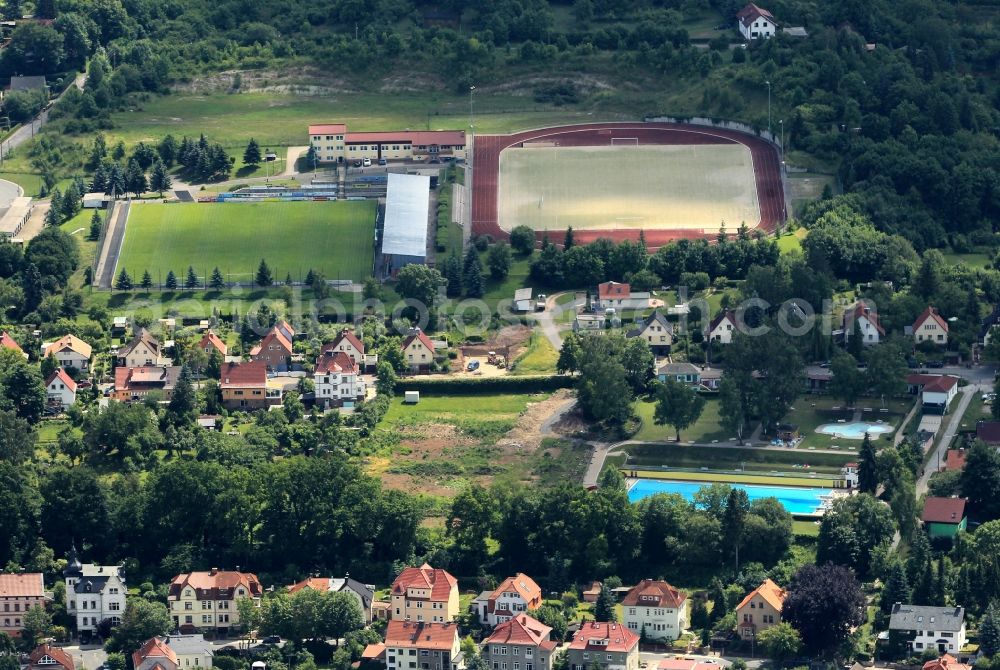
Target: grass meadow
[[293, 237]]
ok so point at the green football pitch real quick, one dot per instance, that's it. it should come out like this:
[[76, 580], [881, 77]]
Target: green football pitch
[[335, 237], [616, 187]]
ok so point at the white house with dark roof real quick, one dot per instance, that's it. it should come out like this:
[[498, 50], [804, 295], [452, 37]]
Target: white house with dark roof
[[93, 593], [656, 610], [755, 23], [861, 318], [940, 629], [656, 331], [722, 328]]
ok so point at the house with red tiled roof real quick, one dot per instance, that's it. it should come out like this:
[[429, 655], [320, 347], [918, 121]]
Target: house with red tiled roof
[[760, 610], [154, 653], [211, 342], [755, 23], [207, 600], [436, 645], [930, 327], [244, 387], [513, 596], [418, 350], [946, 662], [619, 296], [936, 391], [8, 342], [173, 652], [19, 593], [47, 657], [336, 380], [136, 384], [656, 610], [334, 144], [861, 319], [686, 663], [60, 389], [352, 345], [608, 645], [944, 517], [274, 350], [424, 594], [522, 640], [954, 460]]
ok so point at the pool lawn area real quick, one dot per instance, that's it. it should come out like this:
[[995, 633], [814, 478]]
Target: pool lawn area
[[800, 501], [812, 411], [734, 459], [735, 478], [707, 429]]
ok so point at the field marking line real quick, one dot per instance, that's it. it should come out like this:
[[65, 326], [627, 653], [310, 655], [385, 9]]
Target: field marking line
[[78, 230]]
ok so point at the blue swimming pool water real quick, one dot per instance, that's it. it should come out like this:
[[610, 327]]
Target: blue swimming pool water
[[853, 431], [795, 499]]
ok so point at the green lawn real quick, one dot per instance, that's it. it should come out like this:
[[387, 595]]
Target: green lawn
[[973, 260], [706, 429], [743, 459], [805, 528], [790, 242], [539, 358], [333, 237], [736, 478], [812, 411], [456, 409]]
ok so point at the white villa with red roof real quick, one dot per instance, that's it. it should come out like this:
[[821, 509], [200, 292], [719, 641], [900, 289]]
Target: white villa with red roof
[[755, 23], [336, 380], [334, 144], [418, 350], [618, 296], [930, 327], [60, 389], [522, 643], [863, 318], [424, 594], [352, 345], [611, 646], [655, 609], [513, 596], [207, 600]]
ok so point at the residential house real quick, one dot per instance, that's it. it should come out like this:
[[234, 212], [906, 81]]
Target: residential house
[[521, 643], [817, 378], [656, 332], [412, 645], [244, 387], [755, 23], [760, 610], [936, 391], [135, 384], [944, 517], [656, 610], [8, 342], [592, 322], [941, 629], [424, 594], [274, 350], [513, 596], [418, 350], [611, 646], [946, 662], [954, 460], [60, 389], [618, 296], [861, 318], [211, 342], [18, 594], [93, 593], [143, 351], [207, 600], [47, 657], [70, 351], [699, 377], [363, 593], [591, 593], [174, 652], [22, 83], [989, 432], [336, 380], [722, 328], [930, 327], [349, 343]]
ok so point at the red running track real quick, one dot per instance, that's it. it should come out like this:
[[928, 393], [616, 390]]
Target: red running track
[[486, 167]]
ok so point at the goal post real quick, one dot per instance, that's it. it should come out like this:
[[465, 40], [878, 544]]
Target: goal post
[[625, 141]]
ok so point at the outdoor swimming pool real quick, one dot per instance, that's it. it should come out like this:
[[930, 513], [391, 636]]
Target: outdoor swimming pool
[[795, 499], [854, 431]]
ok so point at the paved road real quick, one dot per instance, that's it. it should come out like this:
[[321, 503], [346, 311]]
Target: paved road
[[87, 657], [27, 131], [955, 422], [112, 246]]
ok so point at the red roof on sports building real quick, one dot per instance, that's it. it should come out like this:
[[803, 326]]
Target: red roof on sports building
[[440, 582], [328, 129], [612, 637], [653, 593], [416, 137], [944, 510]]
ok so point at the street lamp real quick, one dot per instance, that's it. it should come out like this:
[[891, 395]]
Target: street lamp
[[781, 124], [768, 82], [472, 119]]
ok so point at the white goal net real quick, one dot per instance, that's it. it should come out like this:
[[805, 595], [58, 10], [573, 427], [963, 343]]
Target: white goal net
[[625, 141]]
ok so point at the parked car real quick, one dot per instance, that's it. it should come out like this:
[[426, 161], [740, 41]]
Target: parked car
[[382, 161], [366, 162], [473, 365], [357, 163], [935, 364], [271, 639]]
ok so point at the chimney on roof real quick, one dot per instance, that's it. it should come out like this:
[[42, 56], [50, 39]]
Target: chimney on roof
[[237, 568], [213, 572]]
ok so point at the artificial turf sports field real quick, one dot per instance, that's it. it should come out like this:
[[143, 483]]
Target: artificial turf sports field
[[335, 237], [649, 187]]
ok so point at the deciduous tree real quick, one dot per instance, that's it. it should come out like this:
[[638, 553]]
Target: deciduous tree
[[677, 405], [824, 603]]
